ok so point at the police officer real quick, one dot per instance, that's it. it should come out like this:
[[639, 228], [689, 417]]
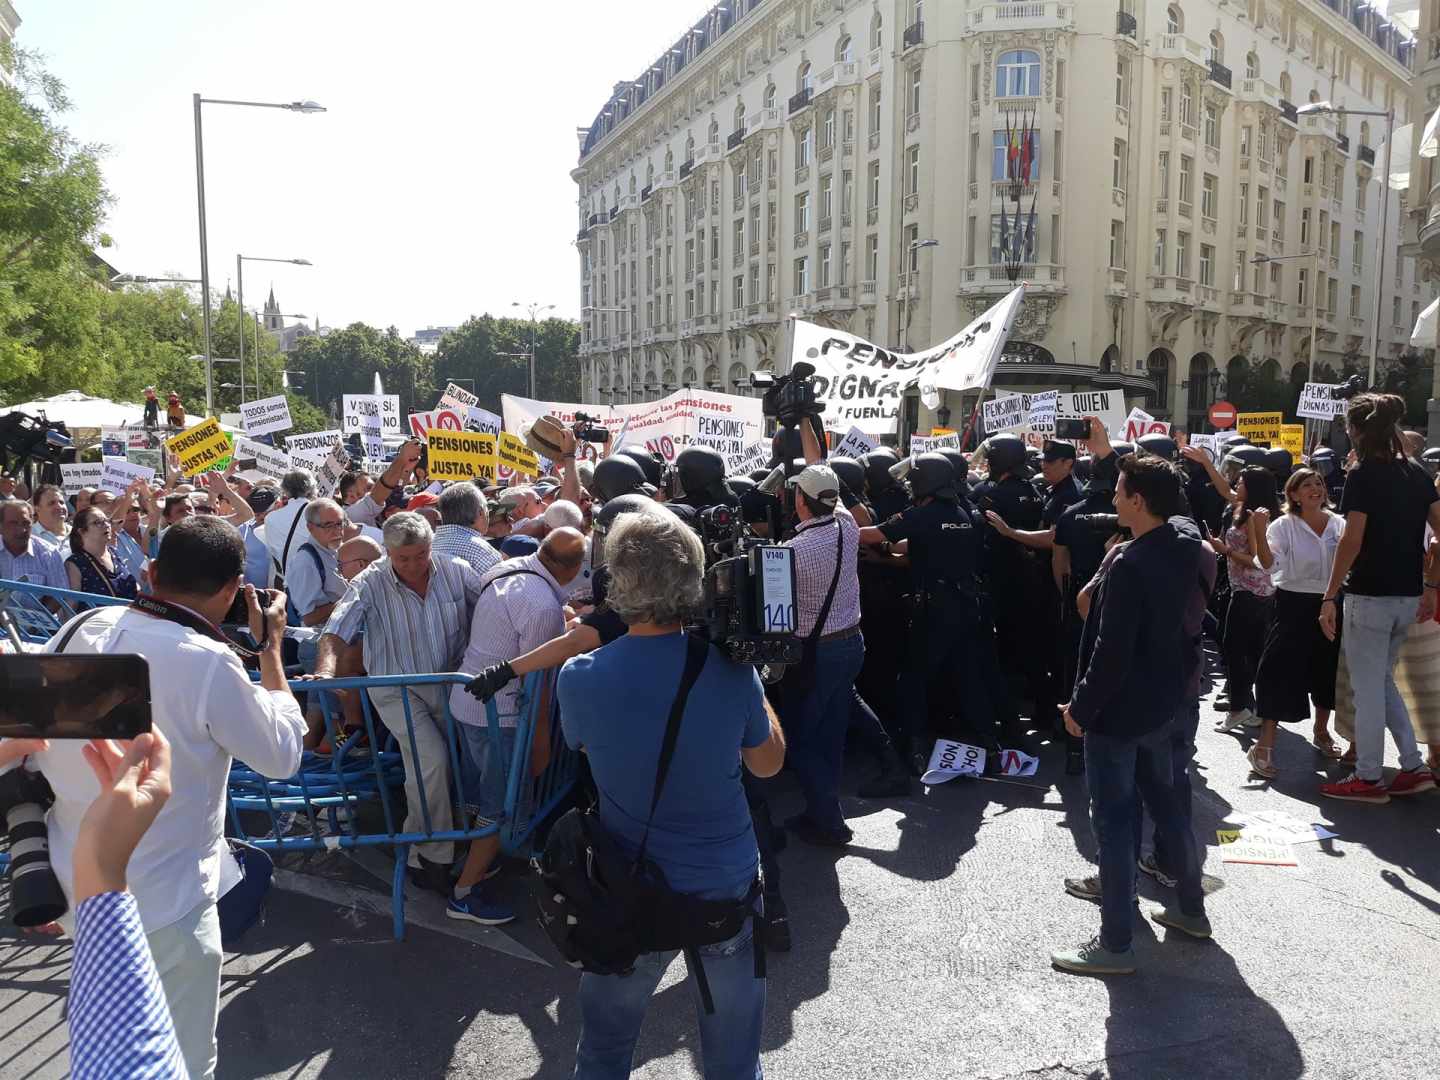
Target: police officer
[[1013, 577], [651, 464], [887, 496], [619, 475], [1325, 461], [961, 464], [884, 616], [697, 479], [942, 543]]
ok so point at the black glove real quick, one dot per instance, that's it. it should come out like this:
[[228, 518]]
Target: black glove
[[491, 681]]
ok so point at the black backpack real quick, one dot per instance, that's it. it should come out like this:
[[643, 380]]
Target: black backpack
[[603, 909]]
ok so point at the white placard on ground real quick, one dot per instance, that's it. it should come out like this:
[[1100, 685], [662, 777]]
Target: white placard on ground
[[950, 759]]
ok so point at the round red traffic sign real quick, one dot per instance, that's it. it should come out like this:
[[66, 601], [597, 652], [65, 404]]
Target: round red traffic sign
[[1222, 414]]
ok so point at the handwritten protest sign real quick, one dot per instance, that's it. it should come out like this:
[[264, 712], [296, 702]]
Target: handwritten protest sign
[[1262, 429], [856, 444], [457, 395], [250, 454], [327, 477], [266, 415], [200, 448], [86, 474], [1318, 402], [461, 455], [117, 474], [757, 456], [1292, 438], [359, 406], [516, 457]]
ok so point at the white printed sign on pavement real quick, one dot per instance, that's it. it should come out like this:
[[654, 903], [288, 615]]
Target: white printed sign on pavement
[[117, 474], [86, 474], [268, 459], [728, 423], [359, 406], [856, 444], [756, 456], [1318, 402], [1016, 763], [457, 395], [863, 383], [327, 477], [266, 415], [951, 759]]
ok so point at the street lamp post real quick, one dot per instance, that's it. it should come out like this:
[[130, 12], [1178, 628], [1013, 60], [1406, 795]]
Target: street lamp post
[[534, 310], [1321, 107], [292, 106], [256, 339], [910, 265], [1314, 290], [630, 363], [240, 261]]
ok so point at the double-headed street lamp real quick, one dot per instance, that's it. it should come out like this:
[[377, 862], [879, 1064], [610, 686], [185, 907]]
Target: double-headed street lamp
[[292, 106], [240, 261], [144, 279], [1323, 107], [534, 310], [630, 364], [1260, 260], [911, 267]]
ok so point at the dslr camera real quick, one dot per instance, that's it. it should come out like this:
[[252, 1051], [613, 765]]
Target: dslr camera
[[587, 429], [1103, 526], [1349, 388], [790, 398], [35, 895]]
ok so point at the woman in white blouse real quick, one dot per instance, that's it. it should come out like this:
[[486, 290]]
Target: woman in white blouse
[[1299, 661]]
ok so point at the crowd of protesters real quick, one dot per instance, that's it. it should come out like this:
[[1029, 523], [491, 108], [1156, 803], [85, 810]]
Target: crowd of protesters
[[1012, 598]]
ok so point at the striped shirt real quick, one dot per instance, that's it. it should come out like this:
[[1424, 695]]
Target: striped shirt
[[40, 564], [119, 1022], [814, 547], [468, 544], [520, 611], [405, 633]]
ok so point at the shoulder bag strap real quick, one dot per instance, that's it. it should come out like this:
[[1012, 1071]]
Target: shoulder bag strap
[[697, 651], [285, 551], [74, 627], [497, 577], [819, 629]]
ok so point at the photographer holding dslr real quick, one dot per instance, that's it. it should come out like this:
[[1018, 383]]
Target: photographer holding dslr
[[211, 713]]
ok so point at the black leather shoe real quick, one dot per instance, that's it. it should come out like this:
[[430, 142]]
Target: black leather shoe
[[812, 833]]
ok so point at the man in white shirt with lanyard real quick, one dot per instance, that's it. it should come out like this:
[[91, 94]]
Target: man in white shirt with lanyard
[[210, 711]]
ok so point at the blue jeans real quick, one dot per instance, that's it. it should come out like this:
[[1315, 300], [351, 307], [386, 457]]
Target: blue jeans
[[1182, 753], [612, 1008], [1375, 629], [815, 724], [485, 761], [1120, 772]]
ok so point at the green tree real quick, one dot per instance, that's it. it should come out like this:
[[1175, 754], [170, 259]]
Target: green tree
[[346, 362], [473, 354]]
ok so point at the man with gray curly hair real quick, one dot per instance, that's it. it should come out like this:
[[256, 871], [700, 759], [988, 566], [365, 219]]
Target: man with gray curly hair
[[614, 705]]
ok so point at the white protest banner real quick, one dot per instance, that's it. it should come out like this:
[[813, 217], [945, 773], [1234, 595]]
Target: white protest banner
[[863, 383], [1107, 405], [951, 759], [726, 422], [267, 459], [457, 395], [1318, 401], [1139, 423], [117, 474], [856, 444], [266, 415], [359, 406], [949, 441], [1016, 763], [320, 441], [327, 477], [75, 477], [756, 456], [1008, 412]]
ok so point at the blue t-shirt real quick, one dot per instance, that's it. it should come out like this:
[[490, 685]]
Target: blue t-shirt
[[615, 702]]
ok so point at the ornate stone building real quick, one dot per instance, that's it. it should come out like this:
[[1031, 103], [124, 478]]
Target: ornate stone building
[[798, 156]]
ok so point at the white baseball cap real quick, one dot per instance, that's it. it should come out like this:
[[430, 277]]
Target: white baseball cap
[[817, 481]]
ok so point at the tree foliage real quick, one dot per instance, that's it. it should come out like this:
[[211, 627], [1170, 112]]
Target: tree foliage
[[472, 354]]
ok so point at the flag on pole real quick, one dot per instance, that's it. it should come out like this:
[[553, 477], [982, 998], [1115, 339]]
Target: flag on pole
[[1009, 138], [1030, 232], [1004, 233]]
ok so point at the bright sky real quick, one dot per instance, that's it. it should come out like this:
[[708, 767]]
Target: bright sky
[[436, 187]]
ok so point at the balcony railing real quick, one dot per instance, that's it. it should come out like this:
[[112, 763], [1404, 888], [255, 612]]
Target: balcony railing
[[914, 35], [1220, 74], [1344, 141], [736, 138], [1288, 111], [1367, 154], [1125, 24], [686, 168], [800, 100]]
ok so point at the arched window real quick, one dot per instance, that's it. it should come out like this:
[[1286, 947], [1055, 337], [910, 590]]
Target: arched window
[[802, 78], [843, 51], [1364, 132], [1017, 74], [770, 96], [1285, 85], [632, 183], [1174, 20], [739, 116], [875, 35], [650, 174], [669, 159], [739, 378], [1252, 65], [714, 131], [1198, 397], [1158, 365], [1217, 47]]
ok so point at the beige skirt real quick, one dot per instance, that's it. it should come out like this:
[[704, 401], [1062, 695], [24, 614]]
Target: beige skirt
[[1417, 675]]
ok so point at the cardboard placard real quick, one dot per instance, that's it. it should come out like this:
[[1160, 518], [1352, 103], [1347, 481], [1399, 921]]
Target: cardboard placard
[[516, 457], [461, 455], [1292, 438], [359, 406], [950, 759], [266, 415], [1318, 402], [1139, 423], [313, 442], [86, 474], [454, 418], [856, 444], [1007, 412], [1108, 406], [756, 457], [117, 474], [1260, 427], [267, 459], [457, 395], [327, 477], [200, 448]]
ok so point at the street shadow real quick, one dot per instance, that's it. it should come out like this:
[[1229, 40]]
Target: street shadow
[[1189, 1012]]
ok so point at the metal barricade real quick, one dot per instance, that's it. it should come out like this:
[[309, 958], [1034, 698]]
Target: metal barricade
[[345, 799], [35, 621]]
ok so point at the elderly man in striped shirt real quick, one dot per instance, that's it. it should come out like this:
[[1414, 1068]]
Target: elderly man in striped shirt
[[414, 607]]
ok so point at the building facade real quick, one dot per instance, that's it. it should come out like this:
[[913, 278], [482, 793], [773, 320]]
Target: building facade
[[1130, 159], [9, 23]]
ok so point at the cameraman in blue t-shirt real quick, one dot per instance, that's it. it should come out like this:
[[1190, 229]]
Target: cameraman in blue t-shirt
[[614, 705]]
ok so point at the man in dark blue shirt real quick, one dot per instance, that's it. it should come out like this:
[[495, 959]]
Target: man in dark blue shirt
[[1134, 659]]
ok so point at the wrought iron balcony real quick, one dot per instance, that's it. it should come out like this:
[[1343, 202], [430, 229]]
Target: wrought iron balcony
[[800, 100], [1125, 24], [736, 138], [1220, 74], [1367, 154], [914, 35]]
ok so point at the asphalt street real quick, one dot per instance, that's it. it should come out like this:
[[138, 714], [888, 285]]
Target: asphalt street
[[920, 951]]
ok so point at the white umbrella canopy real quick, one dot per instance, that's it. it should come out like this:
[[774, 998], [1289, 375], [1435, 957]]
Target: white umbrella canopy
[[1423, 336], [1430, 139], [81, 412]]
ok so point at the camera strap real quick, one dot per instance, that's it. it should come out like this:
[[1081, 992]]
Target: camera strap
[[285, 551], [163, 609]]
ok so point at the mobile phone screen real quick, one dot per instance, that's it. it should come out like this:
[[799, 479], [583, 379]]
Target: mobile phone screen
[[45, 696]]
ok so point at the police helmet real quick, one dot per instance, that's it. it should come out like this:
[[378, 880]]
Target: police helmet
[[1122, 448], [1084, 469], [1246, 456], [700, 470], [1161, 446], [959, 462], [931, 474], [1430, 458], [740, 484], [1228, 440], [850, 472], [1323, 461], [652, 465], [877, 465], [620, 475], [1004, 454], [1279, 462], [621, 504]]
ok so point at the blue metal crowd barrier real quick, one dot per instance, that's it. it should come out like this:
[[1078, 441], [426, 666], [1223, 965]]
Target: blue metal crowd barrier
[[34, 621], [331, 792]]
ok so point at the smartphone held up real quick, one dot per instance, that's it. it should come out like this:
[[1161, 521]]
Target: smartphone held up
[[50, 696]]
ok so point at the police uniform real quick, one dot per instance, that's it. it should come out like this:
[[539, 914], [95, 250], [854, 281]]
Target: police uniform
[[1014, 591], [884, 620], [945, 550]]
